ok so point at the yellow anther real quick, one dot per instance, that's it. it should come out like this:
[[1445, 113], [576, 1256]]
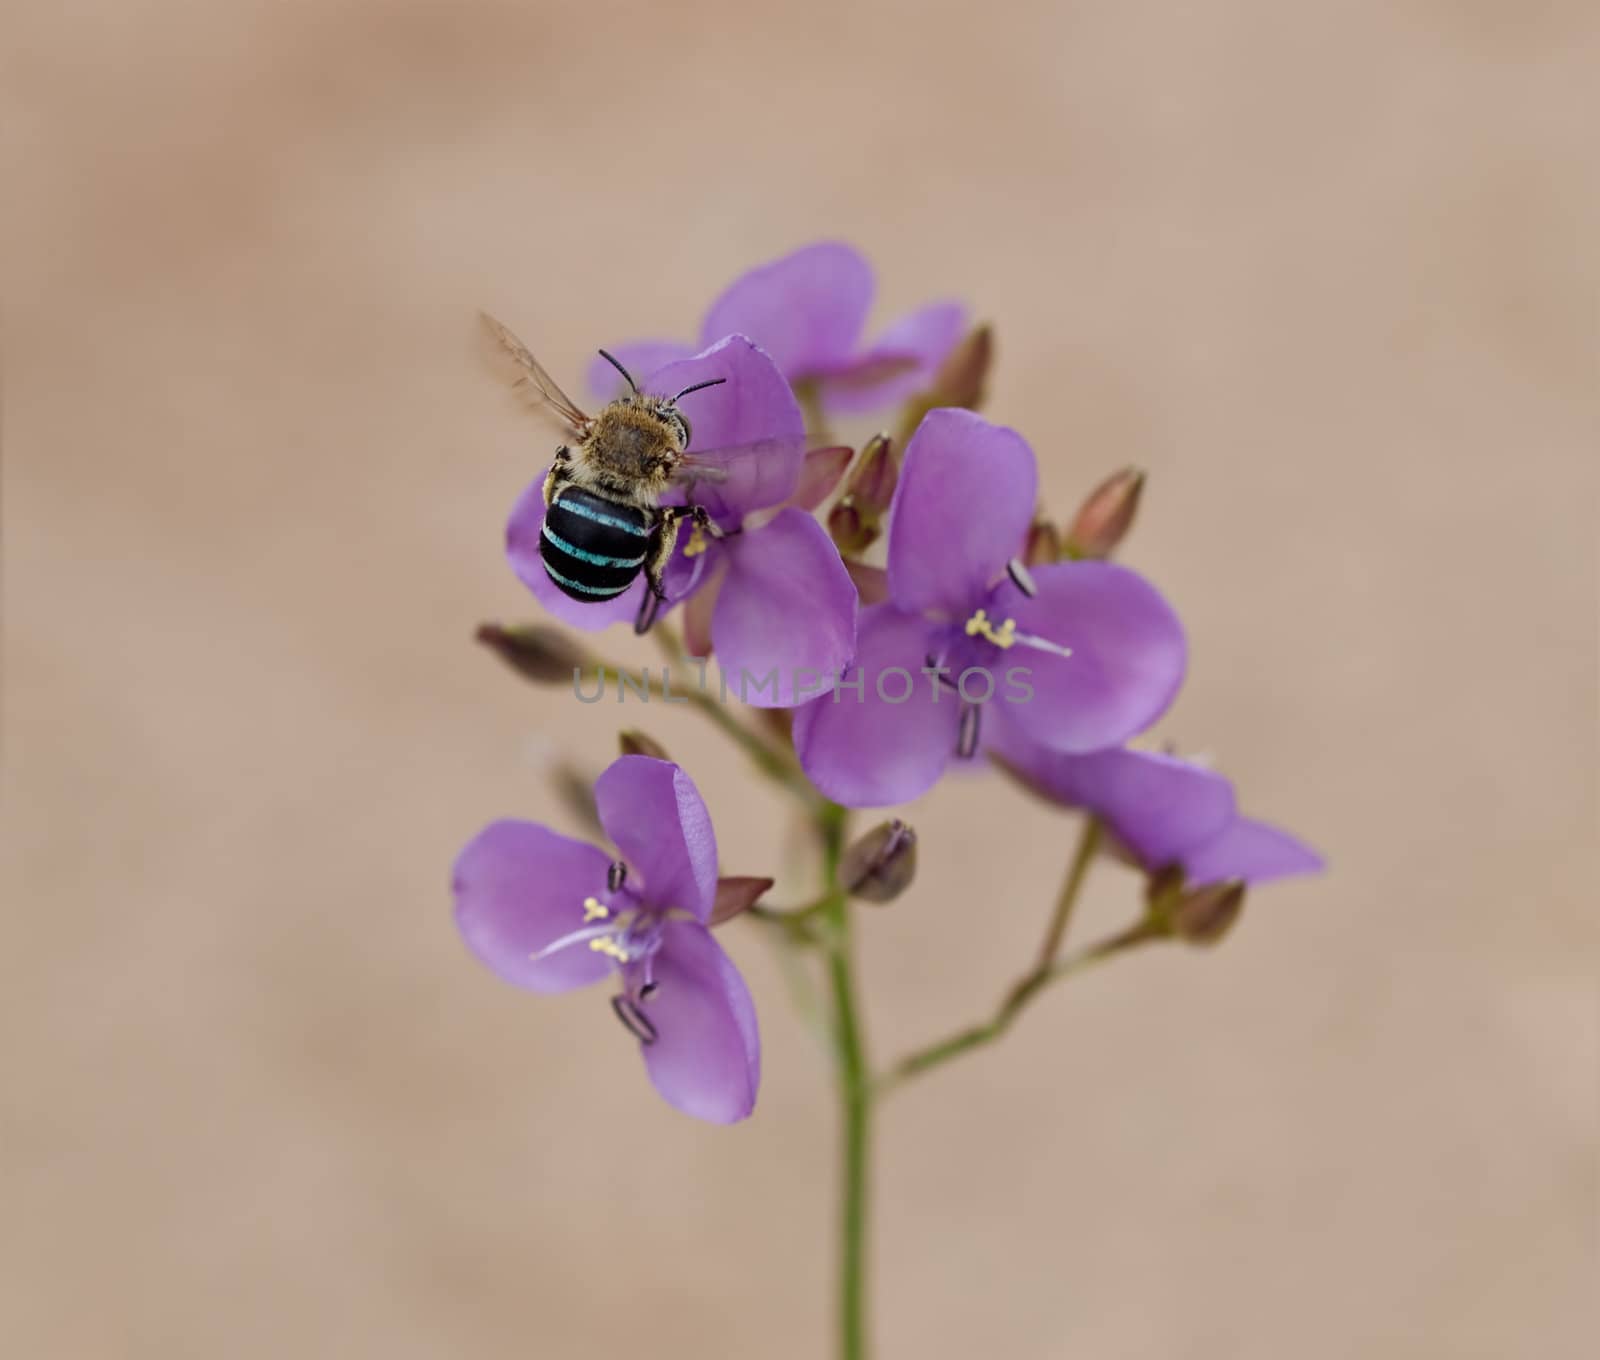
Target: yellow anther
[[697, 542], [594, 910], [606, 945], [1004, 636]]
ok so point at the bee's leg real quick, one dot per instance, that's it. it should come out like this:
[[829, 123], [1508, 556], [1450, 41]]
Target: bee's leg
[[655, 567], [703, 521], [558, 476]]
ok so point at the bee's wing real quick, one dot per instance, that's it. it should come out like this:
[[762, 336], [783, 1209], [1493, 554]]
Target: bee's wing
[[533, 374], [742, 477]]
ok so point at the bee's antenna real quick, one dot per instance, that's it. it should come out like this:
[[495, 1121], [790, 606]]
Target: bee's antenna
[[612, 360], [709, 382]]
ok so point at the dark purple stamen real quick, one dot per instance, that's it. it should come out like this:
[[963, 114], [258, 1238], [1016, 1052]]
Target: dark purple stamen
[[937, 666], [967, 741], [634, 1020]]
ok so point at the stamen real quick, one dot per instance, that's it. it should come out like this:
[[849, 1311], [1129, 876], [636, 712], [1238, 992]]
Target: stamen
[[1021, 578], [1040, 644], [697, 541], [967, 739], [1004, 636], [594, 909], [634, 1020], [935, 665], [608, 946], [576, 937]]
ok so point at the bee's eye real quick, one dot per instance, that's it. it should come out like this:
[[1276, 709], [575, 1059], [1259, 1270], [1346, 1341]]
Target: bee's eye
[[682, 422]]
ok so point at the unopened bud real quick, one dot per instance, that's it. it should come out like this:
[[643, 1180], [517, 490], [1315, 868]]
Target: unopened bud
[[574, 790], [735, 895], [1106, 516], [872, 584], [962, 380], [880, 866], [1205, 915], [633, 742], [850, 533], [820, 473], [856, 520], [536, 651], [1043, 544]]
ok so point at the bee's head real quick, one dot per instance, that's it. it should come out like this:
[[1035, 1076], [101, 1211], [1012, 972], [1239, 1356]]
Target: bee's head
[[664, 409], [679, 422]]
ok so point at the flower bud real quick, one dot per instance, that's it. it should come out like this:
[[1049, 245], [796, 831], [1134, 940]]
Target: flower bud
[[1204, 915], [536, 651], [855, 521], [847, 529], [1105, 518], [574, 790], [1043, 544], [962, 380], [872, 584], [633, 742], [735, 895], [880, 866], [820, 473]]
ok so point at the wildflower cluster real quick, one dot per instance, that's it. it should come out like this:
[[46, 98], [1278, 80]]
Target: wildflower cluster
[[912, 609]]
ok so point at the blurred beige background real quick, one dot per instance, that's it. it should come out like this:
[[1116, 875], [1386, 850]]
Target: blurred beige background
[[1322, 269]]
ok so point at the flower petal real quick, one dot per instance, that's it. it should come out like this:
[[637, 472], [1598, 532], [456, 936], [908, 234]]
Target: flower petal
[[787, 607], [925, 337], [642, 359], [706, 1058], [1253, 851], [1158, 806], [960, 512], [522, 548], [657, 819], [1127, 662], [805, 309], [754, 406], [859, 748], [519, 887]]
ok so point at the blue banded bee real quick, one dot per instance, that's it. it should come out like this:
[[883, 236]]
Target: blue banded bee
[[604, 522]]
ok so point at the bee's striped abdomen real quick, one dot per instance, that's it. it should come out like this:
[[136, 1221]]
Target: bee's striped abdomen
[[593, 547]]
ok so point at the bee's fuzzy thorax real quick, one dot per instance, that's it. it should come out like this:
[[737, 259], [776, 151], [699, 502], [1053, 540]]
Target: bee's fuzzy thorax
[[629, 452]]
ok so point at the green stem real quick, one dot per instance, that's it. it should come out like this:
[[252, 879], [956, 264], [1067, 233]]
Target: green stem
[[1012, 1005], [775, 764], [795, 927], [1056, 932], [855, 1096]]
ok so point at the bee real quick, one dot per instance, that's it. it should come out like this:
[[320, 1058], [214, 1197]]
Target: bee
[[604, 523]]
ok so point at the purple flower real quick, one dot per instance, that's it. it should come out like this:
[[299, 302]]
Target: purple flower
[[784, 605], [1078, 656], [1163, 811], [808, 311], [550, 914]]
